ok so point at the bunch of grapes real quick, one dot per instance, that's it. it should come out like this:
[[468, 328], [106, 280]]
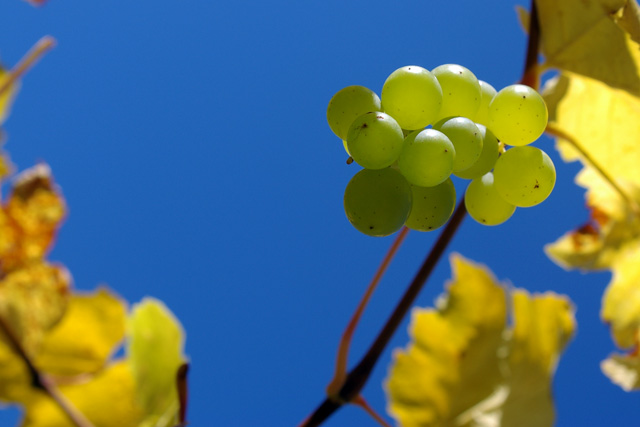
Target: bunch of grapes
[[429, 125]]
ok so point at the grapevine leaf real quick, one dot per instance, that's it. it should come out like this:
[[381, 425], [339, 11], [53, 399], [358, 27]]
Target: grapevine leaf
[[30, 218], [32, 300], [468, 366], [155, 351], [99, 318], [623, 370], [593, 38], [107, 400], [603, 120], [612, 228]]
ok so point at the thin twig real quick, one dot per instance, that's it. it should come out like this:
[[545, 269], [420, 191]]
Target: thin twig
[[357, 378], [42, 381], [359, 401], [554, 131], [38, 50], [345, 342]]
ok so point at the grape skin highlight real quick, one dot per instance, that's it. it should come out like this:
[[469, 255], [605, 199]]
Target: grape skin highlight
[[427, 158], [432, 206], [524, 176], [518, 115], [484, 204], [377, 202], [412, 95], [348, 104]]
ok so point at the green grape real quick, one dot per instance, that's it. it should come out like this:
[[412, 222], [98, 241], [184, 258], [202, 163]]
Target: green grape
[[484, 204], [432, 206], [347, 105], [460, 91], [412, 96], [488, 157], [377, 202], [374, 140], [524, 176], [488, 92], [517, 115], [427, 158], [466, 139]]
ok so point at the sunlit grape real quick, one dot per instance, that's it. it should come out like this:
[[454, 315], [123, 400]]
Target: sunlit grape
[[377, 202], [484, 204], [432, 206], [348, 104], [524, 176], [412, 96], [375, 140], [517, 115], [427, 158]]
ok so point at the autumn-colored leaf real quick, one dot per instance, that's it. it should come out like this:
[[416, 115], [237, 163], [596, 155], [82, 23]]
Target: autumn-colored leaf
[[32, 301], [623, 370], [155, 352], [35, 210], [99, 319], [591, 38], [107, 400], [468, 366]]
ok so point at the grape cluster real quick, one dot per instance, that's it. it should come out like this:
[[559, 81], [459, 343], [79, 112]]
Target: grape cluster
[[429, 125]]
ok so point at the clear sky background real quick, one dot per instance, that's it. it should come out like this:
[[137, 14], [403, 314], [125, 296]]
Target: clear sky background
[[190, 140]]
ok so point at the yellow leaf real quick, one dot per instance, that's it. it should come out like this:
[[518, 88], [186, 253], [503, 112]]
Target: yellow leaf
[[7, 96], [543, 325], [35, 209], [467, 366], [99, 318], [107, 400], [32, 300], [589, 37], [614, 225], [603, 120], [155, 352], [621, 302], [623, 370]]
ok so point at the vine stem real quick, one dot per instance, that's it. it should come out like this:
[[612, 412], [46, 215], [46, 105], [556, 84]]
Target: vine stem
[[345, 342], [38, 50], [531, 72], [358, 376], [43, 382]]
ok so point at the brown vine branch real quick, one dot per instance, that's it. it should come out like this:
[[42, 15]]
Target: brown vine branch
[[38, 50], [42, 381], [531, 72], [182, 385], [357, 378], [345, 342]]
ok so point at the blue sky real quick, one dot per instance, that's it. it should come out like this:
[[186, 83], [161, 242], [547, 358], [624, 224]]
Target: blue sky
[[190, 141]]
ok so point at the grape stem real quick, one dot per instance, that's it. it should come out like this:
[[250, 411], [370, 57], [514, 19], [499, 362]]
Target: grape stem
[[345, 342], [358, 376], [558, 133], [38, 50]]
